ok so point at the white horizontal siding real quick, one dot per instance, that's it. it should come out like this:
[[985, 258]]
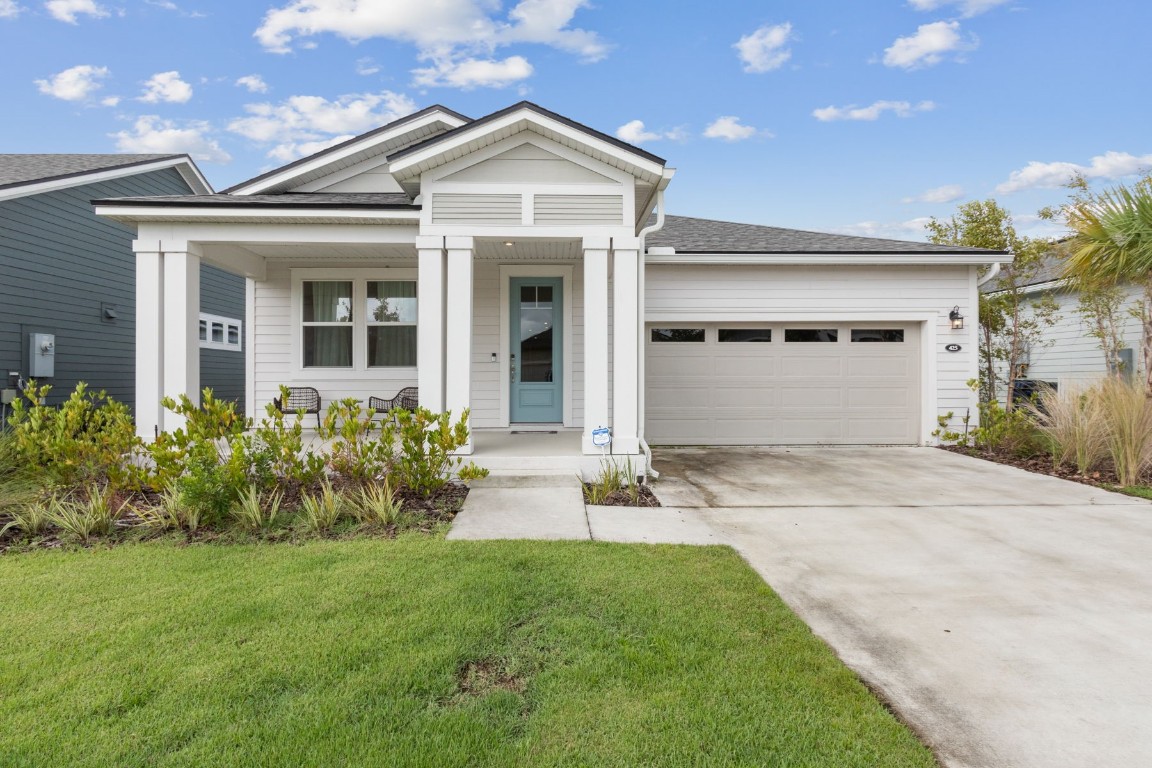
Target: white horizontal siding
[[803, 293]]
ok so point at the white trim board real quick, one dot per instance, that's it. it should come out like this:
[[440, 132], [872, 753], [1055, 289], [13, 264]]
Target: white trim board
[[185, 167]]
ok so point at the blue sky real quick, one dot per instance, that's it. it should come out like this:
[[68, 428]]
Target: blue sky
[[843, 115]]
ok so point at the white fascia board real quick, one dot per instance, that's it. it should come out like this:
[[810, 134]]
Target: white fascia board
[[175, 213], [823, 258], [187, 169], [412, 162], [328, 158]]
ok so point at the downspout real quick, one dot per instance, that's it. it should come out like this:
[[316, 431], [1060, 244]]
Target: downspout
[[993, 271], [641, 363]]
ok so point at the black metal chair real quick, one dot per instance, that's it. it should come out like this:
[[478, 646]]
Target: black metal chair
[[407, 398], [306, 399]]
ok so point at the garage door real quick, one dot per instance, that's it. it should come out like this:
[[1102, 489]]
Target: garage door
[[783, 384]]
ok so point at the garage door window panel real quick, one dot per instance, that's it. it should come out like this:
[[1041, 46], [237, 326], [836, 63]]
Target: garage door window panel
[[678, 335], [745, 335], [811, 335], [881, 335]]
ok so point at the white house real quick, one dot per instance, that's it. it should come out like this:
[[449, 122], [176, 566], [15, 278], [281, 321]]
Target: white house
[[521, 265]]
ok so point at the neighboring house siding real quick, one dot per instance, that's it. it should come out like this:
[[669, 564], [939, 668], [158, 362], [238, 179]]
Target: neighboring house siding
[[805, 293], [59, 263], [222, 370], [1073, 356]]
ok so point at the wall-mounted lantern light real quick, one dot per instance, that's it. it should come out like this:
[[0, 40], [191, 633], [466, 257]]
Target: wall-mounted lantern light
[[957, 319]]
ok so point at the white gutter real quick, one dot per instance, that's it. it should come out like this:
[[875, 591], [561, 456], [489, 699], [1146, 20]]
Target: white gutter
[[640, 363], [992, 273]]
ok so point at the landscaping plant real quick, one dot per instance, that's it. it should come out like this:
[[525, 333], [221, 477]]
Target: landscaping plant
[[18, 486], [169, 514], [90, 438], [31, 519], [320, 512], [425, 461], [1074, 423], [283, 444], [1128, 417], [607, 482], [255, 511], [94, 514], [354, 453], [377, 505]]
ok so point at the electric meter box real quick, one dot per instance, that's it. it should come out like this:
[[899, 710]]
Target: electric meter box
[[41, 355]]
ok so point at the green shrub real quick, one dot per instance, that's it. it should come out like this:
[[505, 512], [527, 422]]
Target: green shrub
[[353, 452], [18, 485], [281, 444], [321, 512], [212, 424], [96, 514], [425, 462], [471, 471], [255, 511], [608, 481], [169, 515], [1073, 421], [1128, 416], [1006, 431], [89, 439]]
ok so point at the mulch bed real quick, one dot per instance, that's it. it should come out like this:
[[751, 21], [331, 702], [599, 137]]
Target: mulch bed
[[1042, 465], [622, 498]]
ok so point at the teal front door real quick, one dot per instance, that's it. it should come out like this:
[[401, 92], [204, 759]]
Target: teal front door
[[536, 365]]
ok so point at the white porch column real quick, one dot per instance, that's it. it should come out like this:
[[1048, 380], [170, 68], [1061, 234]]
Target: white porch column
[[430, 291], [181, 327], [458, 330], [149, 338], [625, 345], [595, 339]]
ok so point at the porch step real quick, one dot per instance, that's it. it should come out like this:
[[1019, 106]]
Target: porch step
[[523, 506], [529, 479]]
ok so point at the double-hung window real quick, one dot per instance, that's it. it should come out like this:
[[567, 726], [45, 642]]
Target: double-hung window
[[355, 319]]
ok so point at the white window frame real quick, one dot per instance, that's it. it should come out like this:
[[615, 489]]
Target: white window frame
[[359, 370], [226, 323]]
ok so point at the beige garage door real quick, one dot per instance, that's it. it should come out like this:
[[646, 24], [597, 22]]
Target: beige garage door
[[783, 384]]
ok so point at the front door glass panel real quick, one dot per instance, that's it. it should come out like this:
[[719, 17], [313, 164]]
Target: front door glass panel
[[537, 333]]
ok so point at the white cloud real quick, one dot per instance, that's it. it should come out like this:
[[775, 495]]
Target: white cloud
[[9, 9], [913, 229], [68, 10], [949, 193], [290, 151], [458, 36], [729, 128], [968, 8], [111, 101], [302, 121], [366, 66], [74, 84], [764, 49], [254, 83], [927, 46], [166, 87], [634, 132], [1110, 165], [467, 74], [153, 135], [872, 111]]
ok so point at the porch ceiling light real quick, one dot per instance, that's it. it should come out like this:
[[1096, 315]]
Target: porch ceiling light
[[957, 319], [509, 243]]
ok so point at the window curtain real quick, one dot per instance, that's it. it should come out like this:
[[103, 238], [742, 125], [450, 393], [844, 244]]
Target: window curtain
[[328, 301], [392, 346]]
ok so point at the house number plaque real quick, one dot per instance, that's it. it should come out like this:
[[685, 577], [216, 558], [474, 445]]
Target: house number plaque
[[953, 347]]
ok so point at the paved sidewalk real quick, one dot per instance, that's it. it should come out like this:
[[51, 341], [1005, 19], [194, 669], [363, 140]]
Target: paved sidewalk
[[552, 507]]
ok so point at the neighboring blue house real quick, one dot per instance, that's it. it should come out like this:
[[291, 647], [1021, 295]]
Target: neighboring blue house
[[68, 277]]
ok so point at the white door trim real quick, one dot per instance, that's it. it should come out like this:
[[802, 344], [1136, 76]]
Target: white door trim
[[507, 272]]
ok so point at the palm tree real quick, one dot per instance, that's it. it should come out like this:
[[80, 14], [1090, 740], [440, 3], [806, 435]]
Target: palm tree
[[1112, 245]]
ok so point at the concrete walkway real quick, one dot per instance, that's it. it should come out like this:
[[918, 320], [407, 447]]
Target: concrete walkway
[[1006, 616], [552, 507]]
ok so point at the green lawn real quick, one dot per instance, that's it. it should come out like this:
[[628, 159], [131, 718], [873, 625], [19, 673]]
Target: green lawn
[[351, 654]]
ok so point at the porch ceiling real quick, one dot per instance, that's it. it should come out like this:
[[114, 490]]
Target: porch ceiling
[[528, 249], [334, 251]]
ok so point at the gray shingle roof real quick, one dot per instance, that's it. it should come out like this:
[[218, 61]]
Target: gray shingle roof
[[16, 170], [691, 235], [1051, 269], [286, 200]]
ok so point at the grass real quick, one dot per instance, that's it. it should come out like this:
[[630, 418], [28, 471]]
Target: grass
[[420, 652], [1140, 491]]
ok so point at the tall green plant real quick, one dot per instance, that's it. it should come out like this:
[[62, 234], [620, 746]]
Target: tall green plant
[[90, 438], [353, 451], [1073, 421], [427, 440]]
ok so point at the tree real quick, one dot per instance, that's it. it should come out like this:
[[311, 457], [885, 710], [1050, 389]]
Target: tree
[[1112, 245], [1011, 324]]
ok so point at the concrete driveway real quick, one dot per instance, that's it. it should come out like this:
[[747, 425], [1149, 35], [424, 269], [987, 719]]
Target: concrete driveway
[[1006, 616]]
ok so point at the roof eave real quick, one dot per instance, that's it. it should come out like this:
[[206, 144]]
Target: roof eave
[[825, 257], [183, 164]]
